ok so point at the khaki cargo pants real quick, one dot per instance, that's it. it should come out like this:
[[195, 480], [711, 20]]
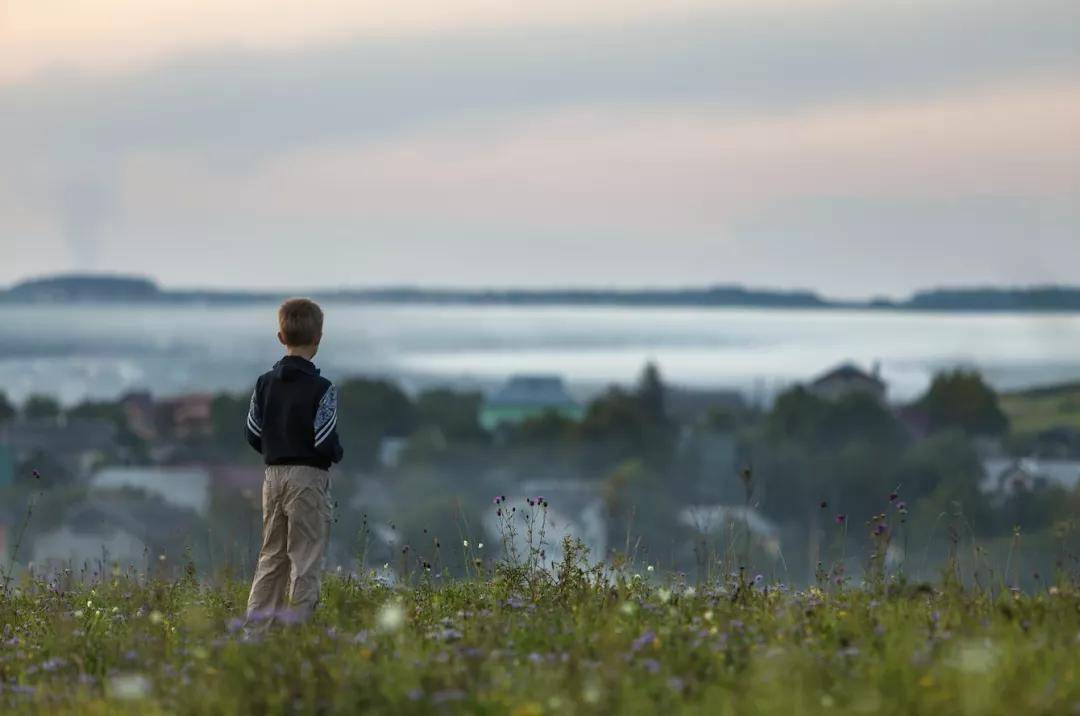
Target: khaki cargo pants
[[296, 530]]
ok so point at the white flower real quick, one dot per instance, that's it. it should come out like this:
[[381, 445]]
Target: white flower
[[663, 594], [77, 614], [464, 543], [480, 545], [649, 568], [129, 687], [690, 591], [390, 617], [156, 617]]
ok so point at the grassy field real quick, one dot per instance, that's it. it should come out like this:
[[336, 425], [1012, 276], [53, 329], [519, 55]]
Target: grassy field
[[1035, 410], [515, 641]]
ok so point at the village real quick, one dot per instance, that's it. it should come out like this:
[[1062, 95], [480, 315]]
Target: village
[[146, 480]]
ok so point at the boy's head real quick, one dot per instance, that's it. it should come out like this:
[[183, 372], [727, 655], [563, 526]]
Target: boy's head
[[300, 325]]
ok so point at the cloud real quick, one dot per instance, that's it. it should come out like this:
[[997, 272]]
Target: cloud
[[258, 102], [675, 148]]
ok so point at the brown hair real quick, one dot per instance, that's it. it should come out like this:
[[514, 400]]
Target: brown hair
[[301, 321]]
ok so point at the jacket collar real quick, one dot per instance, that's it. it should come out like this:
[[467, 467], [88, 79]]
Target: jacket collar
[[299, 363]]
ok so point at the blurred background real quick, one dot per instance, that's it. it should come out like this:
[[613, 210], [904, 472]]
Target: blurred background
[[772, 284]]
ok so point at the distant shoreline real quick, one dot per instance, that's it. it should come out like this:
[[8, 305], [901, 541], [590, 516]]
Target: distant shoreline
[[135, 290]]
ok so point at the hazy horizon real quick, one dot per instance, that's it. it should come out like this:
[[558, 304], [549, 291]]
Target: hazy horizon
[[850, 148]]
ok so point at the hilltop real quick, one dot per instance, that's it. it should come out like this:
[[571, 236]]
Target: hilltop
[[98, 287]]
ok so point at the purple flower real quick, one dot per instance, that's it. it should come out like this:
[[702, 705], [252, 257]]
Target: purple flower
[[841, 519], [290, 616], [651, 665], [441, 697], [893, 497], [643, 641], [36, 474], [879, 529], [235, 624], [902, 506]]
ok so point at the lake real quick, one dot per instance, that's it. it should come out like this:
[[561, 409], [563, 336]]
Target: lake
[[79, 350]]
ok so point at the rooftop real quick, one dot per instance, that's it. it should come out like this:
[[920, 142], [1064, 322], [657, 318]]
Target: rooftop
[[532, 390], [847, 371]]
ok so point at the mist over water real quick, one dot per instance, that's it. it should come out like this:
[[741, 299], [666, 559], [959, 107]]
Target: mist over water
[[101, 351]]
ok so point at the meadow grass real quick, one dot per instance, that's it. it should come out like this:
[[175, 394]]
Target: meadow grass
[[1035, 410], [518, 640]]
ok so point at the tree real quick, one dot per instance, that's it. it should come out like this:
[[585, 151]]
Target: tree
[[457, 415], [370, 410], [961, 399], [7, 410], [41, 407], [650, 393]]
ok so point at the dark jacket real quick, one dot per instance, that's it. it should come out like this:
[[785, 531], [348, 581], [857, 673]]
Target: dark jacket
[[292, 419]]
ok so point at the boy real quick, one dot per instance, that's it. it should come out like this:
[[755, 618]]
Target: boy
[[292, 421]]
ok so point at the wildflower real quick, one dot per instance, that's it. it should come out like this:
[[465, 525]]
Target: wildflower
[[479, 545], [663, 594], [129, 687], [893, 497], [649, 568], [879, 529], [36, 474], [823, 504], [901, 506], [841, 519], [647, 638], [464, 543], [391, 617], [592, 693], [759, 578]]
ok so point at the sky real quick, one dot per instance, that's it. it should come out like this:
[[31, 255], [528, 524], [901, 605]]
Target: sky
[[854, 147]]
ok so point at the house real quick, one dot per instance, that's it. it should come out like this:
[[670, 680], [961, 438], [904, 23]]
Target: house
[[182, 487], [849, 379], [719, 518], [528, 396], [1008, 475], [140, 414], [189, 416], [181, 417], [115, 528], [575, 510], [75, 446]]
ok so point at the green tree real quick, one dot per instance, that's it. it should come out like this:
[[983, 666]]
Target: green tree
[[961, 399], [41, 407], [457, 415], [368, 411], [7, 409], [650, 393]]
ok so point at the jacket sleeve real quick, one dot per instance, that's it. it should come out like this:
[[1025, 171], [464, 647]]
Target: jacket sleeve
[[326, 436], [253, 429]]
